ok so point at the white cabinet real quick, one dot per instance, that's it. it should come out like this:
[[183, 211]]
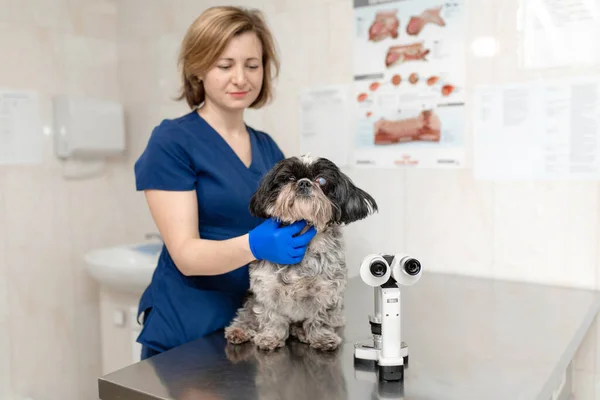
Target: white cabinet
[[135, 331], [119, 329]]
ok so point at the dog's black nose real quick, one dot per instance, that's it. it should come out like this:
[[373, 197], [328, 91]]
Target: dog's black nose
[[304, 183]]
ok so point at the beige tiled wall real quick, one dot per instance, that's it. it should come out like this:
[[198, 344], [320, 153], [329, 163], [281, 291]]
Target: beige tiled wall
[[49, 311], [126, 50], [539, 232]]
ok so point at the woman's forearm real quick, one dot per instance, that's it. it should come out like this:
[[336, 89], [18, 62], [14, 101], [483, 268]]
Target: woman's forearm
[[212, 257]]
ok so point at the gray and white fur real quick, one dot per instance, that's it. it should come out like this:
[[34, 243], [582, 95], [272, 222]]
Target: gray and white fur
[[304, 300]]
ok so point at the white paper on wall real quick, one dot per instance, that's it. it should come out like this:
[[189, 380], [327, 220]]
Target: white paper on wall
[[326, 122], [559, 33], [537, 130], [409, 74], [21, 135]]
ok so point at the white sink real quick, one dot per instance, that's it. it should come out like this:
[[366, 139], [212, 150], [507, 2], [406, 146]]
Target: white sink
[[126, 268]]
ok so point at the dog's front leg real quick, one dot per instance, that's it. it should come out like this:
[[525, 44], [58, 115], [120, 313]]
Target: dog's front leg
[[335, 319], [273, 331], [320, 332], [243, 327], [335, 315]]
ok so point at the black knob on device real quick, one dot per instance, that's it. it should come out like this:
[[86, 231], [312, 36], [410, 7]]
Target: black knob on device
[[412, 267], [378, 269]]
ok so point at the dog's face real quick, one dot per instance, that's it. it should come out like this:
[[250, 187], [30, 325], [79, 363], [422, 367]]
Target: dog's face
[[311, 189]]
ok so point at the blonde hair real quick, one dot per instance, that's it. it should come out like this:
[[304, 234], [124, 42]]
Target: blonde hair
[[207, 38]]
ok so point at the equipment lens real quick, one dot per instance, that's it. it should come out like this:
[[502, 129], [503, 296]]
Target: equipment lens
[[378, 269], [412, 267]]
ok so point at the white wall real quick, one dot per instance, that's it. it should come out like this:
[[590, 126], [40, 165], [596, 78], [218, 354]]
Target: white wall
[[49, 314], [528, 231], [532, 231], [542, 232]]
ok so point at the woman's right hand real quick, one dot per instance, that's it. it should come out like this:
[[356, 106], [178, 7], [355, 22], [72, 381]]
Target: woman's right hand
[[277, 244]]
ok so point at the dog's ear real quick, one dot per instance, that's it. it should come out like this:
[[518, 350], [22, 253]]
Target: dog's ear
[[266, 193], [257, 204], [353, 202]]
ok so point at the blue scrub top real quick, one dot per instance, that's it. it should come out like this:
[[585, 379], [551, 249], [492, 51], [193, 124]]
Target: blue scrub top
[[186, 153]]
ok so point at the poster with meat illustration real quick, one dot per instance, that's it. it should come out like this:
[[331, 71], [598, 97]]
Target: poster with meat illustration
[[409, 83]]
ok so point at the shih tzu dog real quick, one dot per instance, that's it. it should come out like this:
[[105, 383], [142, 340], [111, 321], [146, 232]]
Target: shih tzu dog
[[302, 300]]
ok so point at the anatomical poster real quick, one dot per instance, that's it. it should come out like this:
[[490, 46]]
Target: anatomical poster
[[409, 83]]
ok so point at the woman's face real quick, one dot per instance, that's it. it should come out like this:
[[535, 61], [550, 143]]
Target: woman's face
[[236, 79]]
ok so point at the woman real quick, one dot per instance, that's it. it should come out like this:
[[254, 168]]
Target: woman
[[198, 173]]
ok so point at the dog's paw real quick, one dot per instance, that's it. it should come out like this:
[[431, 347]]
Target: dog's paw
[[327, 342], [237, 335], [268, 342]]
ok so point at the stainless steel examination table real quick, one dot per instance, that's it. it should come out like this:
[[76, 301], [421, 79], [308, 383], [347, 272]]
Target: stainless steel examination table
[[468, 338]]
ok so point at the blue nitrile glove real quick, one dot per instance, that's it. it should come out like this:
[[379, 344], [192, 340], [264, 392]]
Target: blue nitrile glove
[[269, 241]]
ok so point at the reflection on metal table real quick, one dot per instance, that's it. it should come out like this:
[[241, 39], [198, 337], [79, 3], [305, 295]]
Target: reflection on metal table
[[468, 338]]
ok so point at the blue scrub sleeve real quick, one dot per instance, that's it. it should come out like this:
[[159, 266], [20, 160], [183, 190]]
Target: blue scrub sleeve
[[165, 164]]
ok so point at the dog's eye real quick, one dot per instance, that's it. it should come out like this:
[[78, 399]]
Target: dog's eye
[[321, 181], [292, 178]]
